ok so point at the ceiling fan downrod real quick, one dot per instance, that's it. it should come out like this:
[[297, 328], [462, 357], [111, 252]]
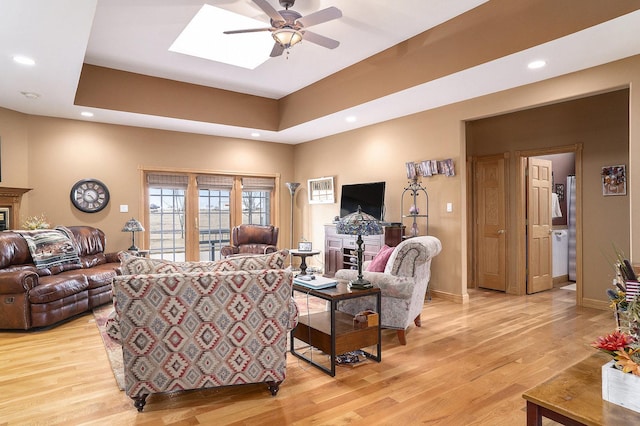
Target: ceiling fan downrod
[[286, 3]]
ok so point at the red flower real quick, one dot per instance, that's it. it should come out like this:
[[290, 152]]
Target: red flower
[[616, 341]]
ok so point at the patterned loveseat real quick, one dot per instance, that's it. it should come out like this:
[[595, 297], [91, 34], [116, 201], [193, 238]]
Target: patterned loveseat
[[203, 324]]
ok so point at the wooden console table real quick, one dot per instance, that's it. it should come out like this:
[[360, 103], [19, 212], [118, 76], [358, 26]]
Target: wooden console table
[[574, 397]]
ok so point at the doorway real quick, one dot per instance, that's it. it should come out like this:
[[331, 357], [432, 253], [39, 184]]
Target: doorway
[[534, 266]]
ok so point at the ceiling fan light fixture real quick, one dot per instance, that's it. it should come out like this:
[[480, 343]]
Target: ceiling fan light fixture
[[287, 37]]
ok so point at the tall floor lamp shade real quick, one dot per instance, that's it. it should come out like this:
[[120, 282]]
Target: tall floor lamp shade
[[359, 223], [293, 186]]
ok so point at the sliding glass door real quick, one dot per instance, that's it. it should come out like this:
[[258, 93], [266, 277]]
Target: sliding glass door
[[190, 216]]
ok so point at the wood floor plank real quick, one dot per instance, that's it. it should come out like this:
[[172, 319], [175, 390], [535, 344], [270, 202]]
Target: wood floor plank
[[466, 365]]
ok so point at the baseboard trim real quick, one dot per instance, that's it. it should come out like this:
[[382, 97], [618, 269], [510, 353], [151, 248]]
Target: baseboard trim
[[560, 279], [596, 304], [462, 299]]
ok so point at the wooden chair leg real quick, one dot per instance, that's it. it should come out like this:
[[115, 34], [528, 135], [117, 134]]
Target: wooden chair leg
[[402, 337], [417, 321]]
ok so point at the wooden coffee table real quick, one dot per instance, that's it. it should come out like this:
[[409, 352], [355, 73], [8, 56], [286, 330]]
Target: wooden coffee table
[[333, 332], [574, 397]]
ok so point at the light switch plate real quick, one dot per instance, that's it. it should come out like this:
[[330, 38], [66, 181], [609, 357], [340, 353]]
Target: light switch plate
[[449, 207], [124, 208]]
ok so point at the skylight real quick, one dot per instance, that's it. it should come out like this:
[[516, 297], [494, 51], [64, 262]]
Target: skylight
[[203, 38]]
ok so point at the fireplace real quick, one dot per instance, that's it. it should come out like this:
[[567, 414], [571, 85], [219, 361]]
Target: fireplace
[[10, 200]]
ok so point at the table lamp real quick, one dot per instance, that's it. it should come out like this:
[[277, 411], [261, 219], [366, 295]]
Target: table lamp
[[133, 226], [359, 223]]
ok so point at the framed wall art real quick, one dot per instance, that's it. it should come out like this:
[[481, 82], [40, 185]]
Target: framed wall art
[[321, 190], [614, 180]]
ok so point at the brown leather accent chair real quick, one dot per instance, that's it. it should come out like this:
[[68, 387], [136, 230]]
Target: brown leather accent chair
[[251, 239]]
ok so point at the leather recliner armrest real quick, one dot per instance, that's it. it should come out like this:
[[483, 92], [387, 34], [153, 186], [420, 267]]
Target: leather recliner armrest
[[17, 282], [228, 251]]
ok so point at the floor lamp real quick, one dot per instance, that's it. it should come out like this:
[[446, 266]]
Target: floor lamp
[[292, 190]]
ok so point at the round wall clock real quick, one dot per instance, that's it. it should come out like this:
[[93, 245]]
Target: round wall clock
[[89, 195]]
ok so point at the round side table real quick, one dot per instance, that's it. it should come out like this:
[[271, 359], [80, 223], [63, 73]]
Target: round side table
[[303, 254]]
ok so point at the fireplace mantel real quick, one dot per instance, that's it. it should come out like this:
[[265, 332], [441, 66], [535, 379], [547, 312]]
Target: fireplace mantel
[[11, 198]]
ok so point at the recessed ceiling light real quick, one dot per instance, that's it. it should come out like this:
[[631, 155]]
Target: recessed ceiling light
[[203, 37], [351, 119], [86, 114], [30, 95], [24, 60], [537, 64], [255, 135]]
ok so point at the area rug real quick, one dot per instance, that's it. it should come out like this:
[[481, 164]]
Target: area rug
[[114, 350]]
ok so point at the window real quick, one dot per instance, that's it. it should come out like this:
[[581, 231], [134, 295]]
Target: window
[[166, 230], [256, 200], [190, 216]]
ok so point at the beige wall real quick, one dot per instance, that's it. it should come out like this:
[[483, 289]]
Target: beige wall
[[55, 153], [61, 152], [601, 125], [379, 152]]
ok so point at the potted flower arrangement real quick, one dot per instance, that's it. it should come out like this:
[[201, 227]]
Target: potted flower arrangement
[[621, 375], [36, 222]]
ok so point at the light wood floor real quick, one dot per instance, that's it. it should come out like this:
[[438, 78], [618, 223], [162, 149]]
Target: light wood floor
[[467, 365]]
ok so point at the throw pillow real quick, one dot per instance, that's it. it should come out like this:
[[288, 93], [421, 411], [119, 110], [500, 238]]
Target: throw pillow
[[275, 260], [380, 260], [131, 265]]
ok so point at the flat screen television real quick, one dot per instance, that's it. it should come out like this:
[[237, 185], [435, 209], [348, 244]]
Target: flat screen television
[[369, 196]]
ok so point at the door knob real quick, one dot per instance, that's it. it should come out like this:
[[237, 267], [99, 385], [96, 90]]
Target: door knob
[[501, 231]]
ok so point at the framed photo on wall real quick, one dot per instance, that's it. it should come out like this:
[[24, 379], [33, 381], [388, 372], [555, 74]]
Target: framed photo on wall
[[614, 180]]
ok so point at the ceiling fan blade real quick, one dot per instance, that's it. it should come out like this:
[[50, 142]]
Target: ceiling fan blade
[[269, 10], [250, 30], [277, 50], [320, 40], [320, 16]]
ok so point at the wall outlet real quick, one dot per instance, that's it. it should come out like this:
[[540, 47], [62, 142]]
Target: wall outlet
[[449, 207], [124, 208]]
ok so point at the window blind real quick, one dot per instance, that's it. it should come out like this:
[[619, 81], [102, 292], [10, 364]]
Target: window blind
[[258, 184], [215, 182], [168, 181]]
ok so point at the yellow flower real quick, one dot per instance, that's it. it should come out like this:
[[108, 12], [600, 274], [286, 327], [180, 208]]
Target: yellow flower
[[625, 361]]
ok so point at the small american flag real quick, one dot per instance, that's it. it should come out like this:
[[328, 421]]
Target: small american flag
[[633, 289]]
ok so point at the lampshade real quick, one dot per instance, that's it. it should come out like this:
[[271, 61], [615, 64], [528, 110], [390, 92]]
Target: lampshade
[[292, 187], [287, 37], [359, 223], [132, 225]]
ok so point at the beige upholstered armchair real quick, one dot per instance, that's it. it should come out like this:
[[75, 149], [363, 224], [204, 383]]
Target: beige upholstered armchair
[[403, 284], [251, 239]]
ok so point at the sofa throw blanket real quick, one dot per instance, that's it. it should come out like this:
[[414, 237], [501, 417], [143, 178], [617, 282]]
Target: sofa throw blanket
[[51, 248]]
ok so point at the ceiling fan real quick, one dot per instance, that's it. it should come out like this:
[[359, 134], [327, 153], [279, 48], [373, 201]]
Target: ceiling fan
[[288, 27]]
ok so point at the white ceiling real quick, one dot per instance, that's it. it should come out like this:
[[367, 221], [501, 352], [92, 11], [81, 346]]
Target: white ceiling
[[134, 35]]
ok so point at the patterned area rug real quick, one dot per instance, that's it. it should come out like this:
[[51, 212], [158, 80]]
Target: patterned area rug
[[114, 350]]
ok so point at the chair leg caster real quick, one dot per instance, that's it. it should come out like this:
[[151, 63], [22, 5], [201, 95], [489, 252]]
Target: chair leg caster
[[140, 402], [274, 387]]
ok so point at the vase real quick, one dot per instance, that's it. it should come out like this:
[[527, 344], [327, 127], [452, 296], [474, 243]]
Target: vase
[[620, 388]]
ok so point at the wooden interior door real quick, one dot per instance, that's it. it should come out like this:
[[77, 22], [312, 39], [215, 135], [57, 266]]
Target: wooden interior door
[[539, 262], [491, 223]]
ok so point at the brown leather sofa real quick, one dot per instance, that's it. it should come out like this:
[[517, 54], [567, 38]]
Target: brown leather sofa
[[251, 239], [33, 298]]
